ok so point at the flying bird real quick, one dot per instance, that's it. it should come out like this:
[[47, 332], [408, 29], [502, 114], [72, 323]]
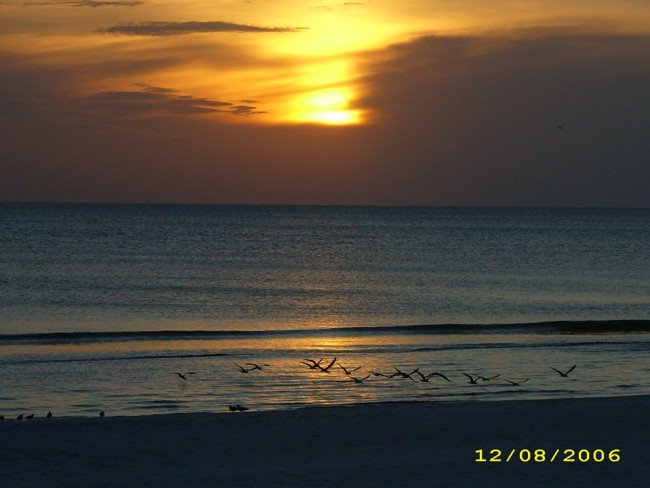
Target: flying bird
[[256, 366], [425, 379], [311, 363], [402, 374], [348, 371], [374, 373], [564, 375], [327, 369], [516, 383], [183, 375], [358, 381], [242, 369], [483, 378], [472, 380]]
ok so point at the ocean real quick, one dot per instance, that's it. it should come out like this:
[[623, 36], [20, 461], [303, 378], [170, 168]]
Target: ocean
[[101, 305]]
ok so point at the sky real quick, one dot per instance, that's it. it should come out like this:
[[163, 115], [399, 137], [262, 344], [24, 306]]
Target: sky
[[377, 102]]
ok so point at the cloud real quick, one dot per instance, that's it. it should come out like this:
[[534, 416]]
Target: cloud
[[472, 119], [86, 3], [178, 28], [154, 100]]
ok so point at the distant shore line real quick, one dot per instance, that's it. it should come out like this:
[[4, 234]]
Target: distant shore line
[[558, 326]]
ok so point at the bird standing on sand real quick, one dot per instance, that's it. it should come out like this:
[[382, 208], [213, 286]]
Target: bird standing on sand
[[237, 408], [30, 416], [20, 417], [183, 375], [49, 415], [516, 383], [564, 375], [101, 414], [347, 371]]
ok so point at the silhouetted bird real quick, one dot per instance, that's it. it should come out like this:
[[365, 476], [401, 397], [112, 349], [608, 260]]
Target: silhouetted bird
[[183, 375], [49, 415], [374, 373], [20, 417], [327, 369], [483, 378], [348, 371], [237, 408], [359, 380], [30, 416], [564, 375], [101, 414], [242, 369], [314, 364], [256, 366], [425, 379], [472, 380], [402, 374], [516, 383]]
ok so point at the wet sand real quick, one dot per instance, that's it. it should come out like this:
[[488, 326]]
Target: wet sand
[[390, 444]]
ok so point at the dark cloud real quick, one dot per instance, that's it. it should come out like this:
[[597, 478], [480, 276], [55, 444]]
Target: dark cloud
[[464, 120], [86, 3], [473, 119], [178, 28], [154, 100]]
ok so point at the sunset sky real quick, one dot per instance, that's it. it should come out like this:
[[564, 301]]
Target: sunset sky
[[408, 102]]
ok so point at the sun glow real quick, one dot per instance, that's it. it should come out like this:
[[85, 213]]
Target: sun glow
[[331, 107]]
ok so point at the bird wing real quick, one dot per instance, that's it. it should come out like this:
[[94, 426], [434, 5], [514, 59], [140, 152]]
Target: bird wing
[[330, 364], [468, 376], [354, 369], [524, 381], [441, 375], [572, 368], [556, 370]]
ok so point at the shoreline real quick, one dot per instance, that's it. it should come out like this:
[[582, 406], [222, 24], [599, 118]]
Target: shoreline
[[377, 444]]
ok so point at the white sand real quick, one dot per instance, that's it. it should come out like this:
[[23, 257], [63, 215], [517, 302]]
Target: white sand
[[418, 444]]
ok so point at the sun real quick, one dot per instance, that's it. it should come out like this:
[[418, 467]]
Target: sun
[[330, 107]]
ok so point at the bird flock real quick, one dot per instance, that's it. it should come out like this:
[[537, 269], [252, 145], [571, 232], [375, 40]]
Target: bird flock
[[328, 367]]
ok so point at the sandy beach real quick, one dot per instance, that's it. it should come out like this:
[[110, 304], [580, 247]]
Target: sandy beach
[[390, 444]]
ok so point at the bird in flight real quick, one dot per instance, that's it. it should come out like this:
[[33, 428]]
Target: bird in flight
[[483, 378], [358, 381], [425, 379], [327, 369], [374, 373], [242, 369], [256, 366], [564, 375], [402, 374], [312, 364], [348, 371], [516, 383], [183, 375], [472, 380]]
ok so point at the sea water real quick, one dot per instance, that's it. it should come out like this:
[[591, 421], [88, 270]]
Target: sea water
[[100, 305]]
